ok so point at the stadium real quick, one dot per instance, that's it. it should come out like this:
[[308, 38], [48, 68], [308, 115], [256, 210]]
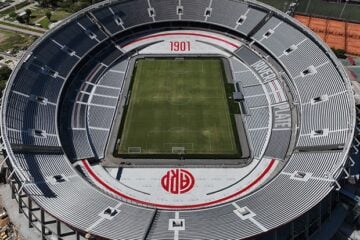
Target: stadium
[[188, 119]]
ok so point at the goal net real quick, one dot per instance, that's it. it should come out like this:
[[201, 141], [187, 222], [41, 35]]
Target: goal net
[[178, 150], [134, 149]]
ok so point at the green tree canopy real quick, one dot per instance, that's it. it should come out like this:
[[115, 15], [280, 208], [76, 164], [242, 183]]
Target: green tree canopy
[[4, 73], [13, 15], [48, 14], [28, 12]]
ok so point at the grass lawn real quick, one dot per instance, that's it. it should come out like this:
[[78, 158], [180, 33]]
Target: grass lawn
[[329, 9], [22, 26], [11, 40], [56, 16], [178, 103], [59, 14], [38, 15], [44, 23]]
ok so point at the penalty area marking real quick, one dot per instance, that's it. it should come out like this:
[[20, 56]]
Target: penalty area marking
[[179, 146]]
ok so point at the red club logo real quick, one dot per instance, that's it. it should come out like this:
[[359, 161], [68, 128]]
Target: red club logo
[[177, 181]]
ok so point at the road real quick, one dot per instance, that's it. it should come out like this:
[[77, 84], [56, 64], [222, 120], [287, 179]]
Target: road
[[20, 30], [12, 4]]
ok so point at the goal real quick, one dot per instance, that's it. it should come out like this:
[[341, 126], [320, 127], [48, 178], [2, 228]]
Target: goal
[[178, 150], [134, 149]]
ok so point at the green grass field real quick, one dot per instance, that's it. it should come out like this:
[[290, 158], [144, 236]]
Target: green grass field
[[329, 9], [181, 104]]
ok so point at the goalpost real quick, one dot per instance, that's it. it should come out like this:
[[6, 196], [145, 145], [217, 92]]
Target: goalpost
[[178, 150], [134, 149]]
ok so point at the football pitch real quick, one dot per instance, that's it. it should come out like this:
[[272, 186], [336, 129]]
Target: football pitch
[[178, 106]]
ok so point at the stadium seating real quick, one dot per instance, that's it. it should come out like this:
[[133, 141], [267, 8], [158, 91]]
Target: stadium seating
[[49, 53], [192, 10], [124, 10], [165, 10], [72, 106], [227, 15], [80, 36]]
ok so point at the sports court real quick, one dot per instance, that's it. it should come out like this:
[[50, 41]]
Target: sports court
[[178, 106], [337, 34]]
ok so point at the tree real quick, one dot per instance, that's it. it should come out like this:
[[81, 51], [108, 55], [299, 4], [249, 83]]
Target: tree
[[43, 3], [28, 12], [4, 73], [53, 3], [27, 17], [340, 53], [13, 15], [20, 19], [48, 14]]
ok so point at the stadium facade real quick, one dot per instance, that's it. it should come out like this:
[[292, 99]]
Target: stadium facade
[[64, 99]]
